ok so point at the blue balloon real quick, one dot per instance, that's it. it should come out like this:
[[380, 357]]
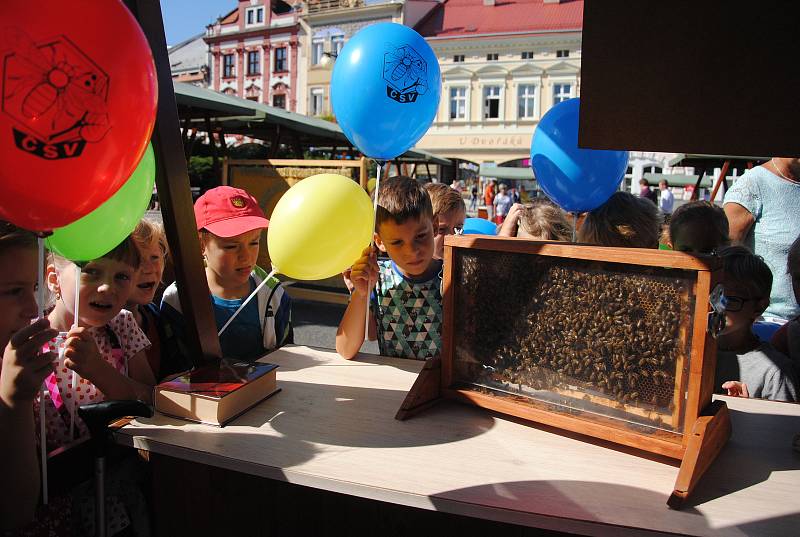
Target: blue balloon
[[479, 226], [765, 329], [577, 180], [385, 89]]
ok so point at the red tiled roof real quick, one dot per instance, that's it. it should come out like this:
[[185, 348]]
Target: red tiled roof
[[231, 17], [456, 18]]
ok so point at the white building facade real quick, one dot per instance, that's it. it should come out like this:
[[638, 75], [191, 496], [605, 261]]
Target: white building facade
[[497, 85]]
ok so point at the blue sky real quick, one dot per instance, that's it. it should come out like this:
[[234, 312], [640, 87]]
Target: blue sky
[[185, 18]]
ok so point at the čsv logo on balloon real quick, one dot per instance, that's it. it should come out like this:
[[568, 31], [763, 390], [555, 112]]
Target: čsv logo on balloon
[[56, 96], [405, 73]]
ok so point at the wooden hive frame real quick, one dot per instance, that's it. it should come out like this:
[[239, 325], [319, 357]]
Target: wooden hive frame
[[706, 427]]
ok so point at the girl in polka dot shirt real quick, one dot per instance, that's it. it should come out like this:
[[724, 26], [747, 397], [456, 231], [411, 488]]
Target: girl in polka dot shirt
[[106, 348]]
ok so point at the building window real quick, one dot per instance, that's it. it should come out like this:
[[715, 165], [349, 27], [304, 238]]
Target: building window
[[562, 54], [255, 15], [491, 102], [337, 42], [458, 103], [280, 60], [492, 57], [316, 51], [279, 101], [526, 95], [253, 63], [228, 66], [561, 92], [527, 55], [458, 58], [317, 96]]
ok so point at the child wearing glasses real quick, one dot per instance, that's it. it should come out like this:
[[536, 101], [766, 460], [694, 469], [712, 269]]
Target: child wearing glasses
[[747, 366]]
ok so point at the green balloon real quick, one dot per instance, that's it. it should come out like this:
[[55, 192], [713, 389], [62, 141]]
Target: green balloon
[[100, 231]]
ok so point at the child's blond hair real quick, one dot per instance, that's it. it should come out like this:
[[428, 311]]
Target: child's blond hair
[[146, 232], [125, 252], [545, 221], [624, 220], [444, 199]]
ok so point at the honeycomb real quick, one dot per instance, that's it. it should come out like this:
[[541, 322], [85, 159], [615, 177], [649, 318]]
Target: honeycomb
[[610, 338]]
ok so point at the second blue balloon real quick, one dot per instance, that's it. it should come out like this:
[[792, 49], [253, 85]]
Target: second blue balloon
[[385, 89]]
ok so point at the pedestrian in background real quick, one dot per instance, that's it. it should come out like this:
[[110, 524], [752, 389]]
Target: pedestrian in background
[[473, 199], [502, 204], [645, 191], [667, 201]]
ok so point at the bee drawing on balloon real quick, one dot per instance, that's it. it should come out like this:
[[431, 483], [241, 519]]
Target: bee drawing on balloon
[[405, 73], [55, 93]]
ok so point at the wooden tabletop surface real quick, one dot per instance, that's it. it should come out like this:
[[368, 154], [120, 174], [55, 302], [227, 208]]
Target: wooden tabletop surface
[[332, 427]]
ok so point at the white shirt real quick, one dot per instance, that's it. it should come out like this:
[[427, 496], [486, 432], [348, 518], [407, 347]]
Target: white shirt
[[666, 201]]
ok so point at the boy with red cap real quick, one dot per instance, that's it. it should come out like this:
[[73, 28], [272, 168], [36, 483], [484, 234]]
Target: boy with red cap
[[230, 223]]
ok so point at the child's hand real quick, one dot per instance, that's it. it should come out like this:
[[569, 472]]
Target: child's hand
[[25, 366], [509, 227], [736, 388], [81, 353], [347, 281], [364, 272]]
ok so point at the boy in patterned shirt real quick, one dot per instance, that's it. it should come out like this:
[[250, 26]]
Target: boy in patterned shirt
[[406, 297]]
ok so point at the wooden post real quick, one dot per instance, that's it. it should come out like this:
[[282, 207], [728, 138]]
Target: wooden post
[[722, 173], [225, 166], [363, 174], [214, 155], [275, 142], [223, 147], [172, 181], [696, 193]]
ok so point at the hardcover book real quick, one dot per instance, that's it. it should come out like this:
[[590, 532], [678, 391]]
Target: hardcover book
[[216, 393]]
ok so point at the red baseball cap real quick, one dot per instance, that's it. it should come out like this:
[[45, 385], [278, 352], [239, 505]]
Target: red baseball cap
[[226, 211]]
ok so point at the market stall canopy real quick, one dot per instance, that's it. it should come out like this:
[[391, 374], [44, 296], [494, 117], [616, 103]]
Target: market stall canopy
[[233, 115], [506, 172], [195, 102], [709, 162], [678, 179], [420, 156]]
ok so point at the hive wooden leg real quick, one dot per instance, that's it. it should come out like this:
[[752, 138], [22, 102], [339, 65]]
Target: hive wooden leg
[[425, 392], [709, 434]]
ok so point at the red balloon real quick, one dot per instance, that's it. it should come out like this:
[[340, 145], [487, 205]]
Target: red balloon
[[78, 107]]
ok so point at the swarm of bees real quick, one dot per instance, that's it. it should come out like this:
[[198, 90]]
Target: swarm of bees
[[613, 334]]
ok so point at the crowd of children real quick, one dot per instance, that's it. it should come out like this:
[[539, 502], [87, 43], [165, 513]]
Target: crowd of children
[[123, 341]]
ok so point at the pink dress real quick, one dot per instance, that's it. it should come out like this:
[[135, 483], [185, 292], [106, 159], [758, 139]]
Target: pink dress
[[118, 341]]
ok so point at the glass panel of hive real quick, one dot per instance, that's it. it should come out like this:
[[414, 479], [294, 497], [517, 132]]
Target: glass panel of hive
[[605, 342]]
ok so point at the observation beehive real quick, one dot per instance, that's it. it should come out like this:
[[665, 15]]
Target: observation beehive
[[608, 342]]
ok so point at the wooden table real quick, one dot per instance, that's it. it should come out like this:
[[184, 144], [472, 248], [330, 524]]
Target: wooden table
[[332, 428]]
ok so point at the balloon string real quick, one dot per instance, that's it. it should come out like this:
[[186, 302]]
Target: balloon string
[[42, 401], [247, 301], [75, 376], [372, 240]]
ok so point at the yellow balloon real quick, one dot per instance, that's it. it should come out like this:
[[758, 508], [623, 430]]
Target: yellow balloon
[[371, 184], [319, 227]]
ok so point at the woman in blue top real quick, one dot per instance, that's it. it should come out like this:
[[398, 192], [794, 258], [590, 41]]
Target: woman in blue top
[[763, 210]]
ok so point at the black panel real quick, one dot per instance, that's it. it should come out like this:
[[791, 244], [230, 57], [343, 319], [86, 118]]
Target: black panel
[[713, 77]]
